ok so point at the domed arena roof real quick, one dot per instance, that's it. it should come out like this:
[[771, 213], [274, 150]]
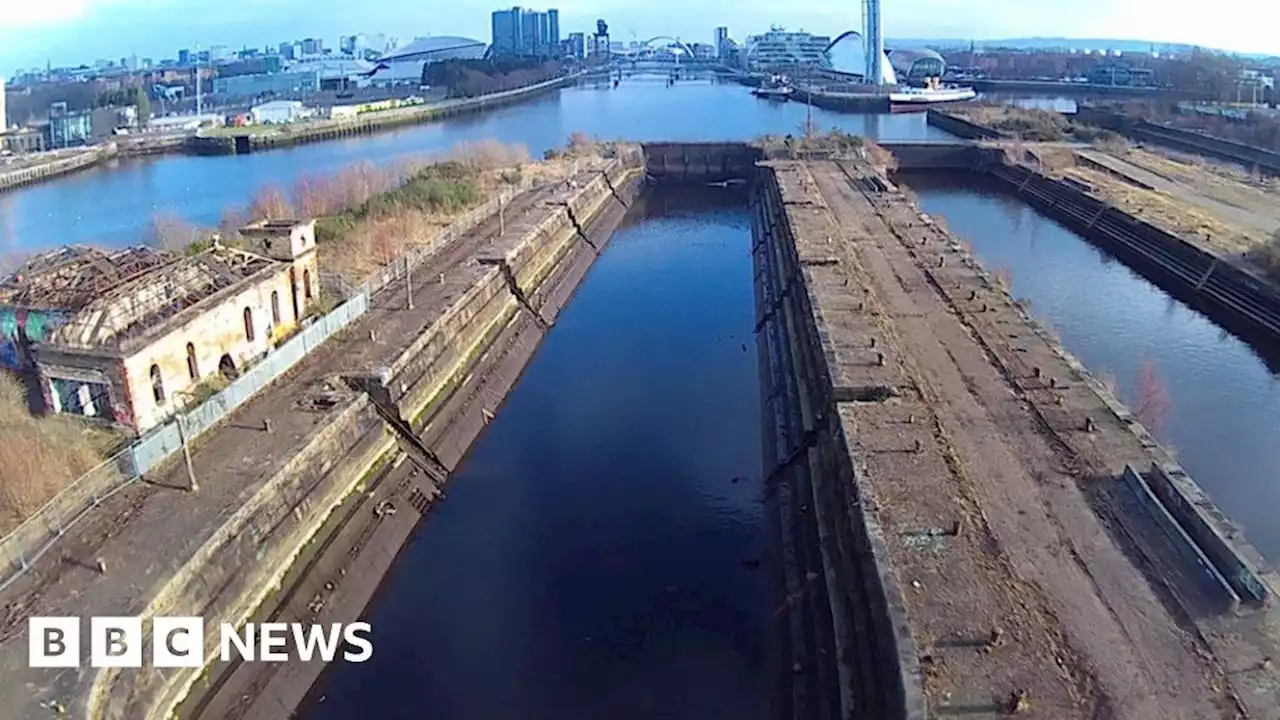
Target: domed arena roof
[[916, 63], [438, 47]]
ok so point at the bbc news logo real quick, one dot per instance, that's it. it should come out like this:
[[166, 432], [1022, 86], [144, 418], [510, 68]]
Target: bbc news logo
[[118, 642]]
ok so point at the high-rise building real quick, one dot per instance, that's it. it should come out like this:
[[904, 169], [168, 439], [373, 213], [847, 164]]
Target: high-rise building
[[526, 32], [577, 45], [722, 41], [506, 39], [312, 46], [184, 57], [286, 51], [779, 49], [353, 45]]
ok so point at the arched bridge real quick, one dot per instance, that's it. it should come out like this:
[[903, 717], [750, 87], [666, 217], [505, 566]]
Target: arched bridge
[[669, 41]]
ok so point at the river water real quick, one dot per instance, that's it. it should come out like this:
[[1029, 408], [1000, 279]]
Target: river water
[[594, 557], [113, 204]]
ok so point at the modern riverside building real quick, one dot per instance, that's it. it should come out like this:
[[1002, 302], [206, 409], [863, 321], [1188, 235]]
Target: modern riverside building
[[523, 32]]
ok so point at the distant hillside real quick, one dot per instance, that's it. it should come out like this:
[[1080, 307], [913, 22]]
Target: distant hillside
[[1053, 43]]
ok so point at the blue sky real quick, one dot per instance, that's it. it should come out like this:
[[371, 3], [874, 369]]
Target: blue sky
[[70, 31]]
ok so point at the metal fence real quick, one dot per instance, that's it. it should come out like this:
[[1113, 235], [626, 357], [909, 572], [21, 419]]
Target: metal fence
[[26, 544], [33, 538]]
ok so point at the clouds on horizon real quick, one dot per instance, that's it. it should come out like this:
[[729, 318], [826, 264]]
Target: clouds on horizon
[[70, 31]]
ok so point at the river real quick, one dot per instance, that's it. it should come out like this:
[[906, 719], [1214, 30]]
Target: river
[[112, 205], [597, 555]]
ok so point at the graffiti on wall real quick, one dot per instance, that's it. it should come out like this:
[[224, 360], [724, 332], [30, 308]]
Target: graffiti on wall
[[19, 327]]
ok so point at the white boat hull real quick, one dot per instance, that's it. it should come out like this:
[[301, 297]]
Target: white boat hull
[[929, 97]]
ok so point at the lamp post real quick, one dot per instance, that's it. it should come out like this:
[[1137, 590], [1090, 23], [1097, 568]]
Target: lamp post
[[180, 419]]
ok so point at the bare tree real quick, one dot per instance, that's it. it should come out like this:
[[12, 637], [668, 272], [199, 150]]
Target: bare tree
[[1153, 403], [168, 231]]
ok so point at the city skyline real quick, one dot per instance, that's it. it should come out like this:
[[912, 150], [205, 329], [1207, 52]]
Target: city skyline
[[82, 31]]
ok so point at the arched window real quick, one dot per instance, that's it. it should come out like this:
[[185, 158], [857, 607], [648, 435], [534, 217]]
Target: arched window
[[193, 369], [306, 283], [157, 385], [248, 324], [275, 307]]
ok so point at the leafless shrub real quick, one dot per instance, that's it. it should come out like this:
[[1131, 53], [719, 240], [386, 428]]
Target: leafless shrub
[[1108, 380], [168, 231], [270, 203], [1267, 256], [229, 225], [320, 195], [1003, 277], [1112, 142], [1153, 401], [491, 154], [1015, 151], [581, 143], [880, 157]]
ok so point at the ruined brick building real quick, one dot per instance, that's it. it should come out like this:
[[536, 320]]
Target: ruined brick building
[[133, 335]]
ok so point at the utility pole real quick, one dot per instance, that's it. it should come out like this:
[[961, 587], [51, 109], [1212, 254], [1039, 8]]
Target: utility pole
[[408, 283], [180, 418]]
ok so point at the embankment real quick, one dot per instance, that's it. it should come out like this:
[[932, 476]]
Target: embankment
[[1267, 161], [1223, 288], [844, 627], [383, 445], [320, 131], [56, 168]]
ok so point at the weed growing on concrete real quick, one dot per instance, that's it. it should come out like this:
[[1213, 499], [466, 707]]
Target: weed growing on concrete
[[1003, 277]]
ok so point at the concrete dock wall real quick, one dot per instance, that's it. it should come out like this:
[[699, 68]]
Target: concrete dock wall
[[353, 446], [45, 171], [1211, 532], [699, 162], [960, 127], [848, 634], [936, 156]]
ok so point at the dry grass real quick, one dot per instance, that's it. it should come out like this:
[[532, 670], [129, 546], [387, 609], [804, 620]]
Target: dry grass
[[1267, 256], [1173, 214], [39, 456], [486, 155], [369, 215]]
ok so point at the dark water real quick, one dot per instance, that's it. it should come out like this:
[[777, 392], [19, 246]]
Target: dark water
[[1224, 415], [588, 562], [112, 205]]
